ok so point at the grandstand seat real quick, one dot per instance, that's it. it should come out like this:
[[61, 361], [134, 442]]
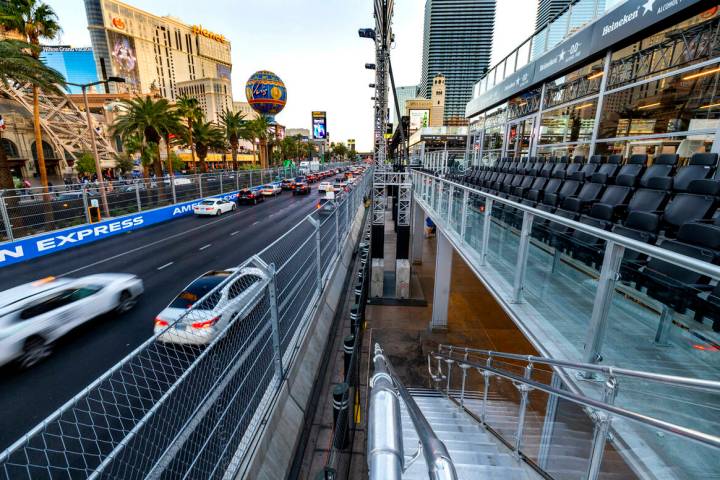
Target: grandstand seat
[[700, 167], [709, 307], [614, 197], [640, 226], [633, 168], [547, 167], [568, 189], [589, 193], [550, 187], [589, 168], [610, 168], [662, 167], [586, 247], [698, 204]]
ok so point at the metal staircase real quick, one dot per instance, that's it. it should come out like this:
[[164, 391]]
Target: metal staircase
[[63, 123], [474, 452]]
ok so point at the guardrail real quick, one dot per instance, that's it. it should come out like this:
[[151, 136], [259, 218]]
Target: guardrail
[[191, 408]]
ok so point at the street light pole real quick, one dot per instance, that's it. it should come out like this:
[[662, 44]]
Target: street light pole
[[101, 180]]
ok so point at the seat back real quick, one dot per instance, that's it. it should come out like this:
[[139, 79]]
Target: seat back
[[701, 166], [547, 168], [687, 207], [559, 170], [662, 167]]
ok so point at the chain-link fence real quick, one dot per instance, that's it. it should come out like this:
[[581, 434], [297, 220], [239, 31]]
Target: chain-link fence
[[30, 211], [187, 403]]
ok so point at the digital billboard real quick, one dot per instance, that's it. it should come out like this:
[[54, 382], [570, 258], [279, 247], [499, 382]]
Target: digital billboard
[[124, 59], [319, 125], [419, 119]]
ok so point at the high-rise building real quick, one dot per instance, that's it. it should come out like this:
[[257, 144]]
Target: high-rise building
[[77, 65], [437, 102], [547, 9], [214, 95], [153, 53], [402, 94], [457, 43], [245, 109], [573, 19]]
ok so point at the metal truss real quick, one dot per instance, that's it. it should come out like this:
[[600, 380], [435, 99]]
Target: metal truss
[[678, 48], [567, 92], [63, 122], [404, 197]]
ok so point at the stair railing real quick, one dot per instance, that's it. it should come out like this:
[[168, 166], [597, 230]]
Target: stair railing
[[386, 458], [603, 410]]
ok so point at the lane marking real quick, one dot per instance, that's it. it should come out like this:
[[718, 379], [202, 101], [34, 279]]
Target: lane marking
[[204, 247], [143, 247], [165, 266], [256, 222], [234, 233]]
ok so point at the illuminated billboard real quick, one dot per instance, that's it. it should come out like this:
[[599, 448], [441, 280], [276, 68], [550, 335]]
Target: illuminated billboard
[[419, 119], [319, 125], [124, 59]]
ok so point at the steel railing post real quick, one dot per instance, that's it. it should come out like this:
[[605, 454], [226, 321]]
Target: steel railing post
[[220, 179], [603, 300], [522, 258], [237, 180], [274, 318], [337, 229], [172, 187], [318, 251], [487, 218], [250, 184], [546, 435], [200, 179], [486, 389], [451, 197], [6, 219], [137, 196], [464, 213], [88, 219], [600, 432], [524, 391]]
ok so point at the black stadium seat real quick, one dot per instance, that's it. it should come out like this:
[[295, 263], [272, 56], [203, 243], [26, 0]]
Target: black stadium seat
[[700, 167], [662, 167]]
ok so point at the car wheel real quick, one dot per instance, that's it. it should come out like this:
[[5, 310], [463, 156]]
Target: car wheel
[[218, 212], [233, 208], [126, 302], [34, 351], [255, 201]]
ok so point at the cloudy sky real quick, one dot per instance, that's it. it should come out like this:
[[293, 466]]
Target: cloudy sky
[[313, 46]]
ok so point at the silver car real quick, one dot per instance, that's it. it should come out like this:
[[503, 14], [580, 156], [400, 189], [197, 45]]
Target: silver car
[[35, 315]]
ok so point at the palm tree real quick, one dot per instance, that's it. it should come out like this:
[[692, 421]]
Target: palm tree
[[248, 134], [206, 136], [189, 109], [17, 66], [148, 118], [261, 130], [233, 124], [172, 130], [35, 21]]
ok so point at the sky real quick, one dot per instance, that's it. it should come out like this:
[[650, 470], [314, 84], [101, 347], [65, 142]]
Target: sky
[[314, 47]]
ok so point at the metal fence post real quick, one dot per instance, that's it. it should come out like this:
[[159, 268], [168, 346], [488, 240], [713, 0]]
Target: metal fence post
[[220, 179], [522, 258], [318, 244], [88, 219], [337, 229], [524, 391], [486, 231], [451, 197], [600, 432], [463, 213], [172, 187], [250, 184], [603, 300], [199, 179], [137, 196], [274, 317], [237, 180], [6, 218]]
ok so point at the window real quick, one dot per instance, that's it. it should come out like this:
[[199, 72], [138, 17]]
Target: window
[[55, 301], [242, 284], [197, 290], [568, 124]]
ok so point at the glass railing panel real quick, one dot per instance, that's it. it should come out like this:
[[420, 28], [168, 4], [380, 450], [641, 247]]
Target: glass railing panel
[[503, 242], [456, 209], [558, 287], [474, 222], [443, 200], [502, 411]]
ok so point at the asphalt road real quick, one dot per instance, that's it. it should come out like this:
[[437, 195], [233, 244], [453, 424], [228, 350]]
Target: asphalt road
[[167, 257]]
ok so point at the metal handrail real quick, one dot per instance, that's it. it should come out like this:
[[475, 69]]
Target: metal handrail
[[690, 434], [711, 385], [663, 254], [385, 451]]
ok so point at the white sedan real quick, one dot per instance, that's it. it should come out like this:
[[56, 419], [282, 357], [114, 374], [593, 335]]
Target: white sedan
[[325, 187], [35, 315], [213, 206], [271, 190], [215, 299]]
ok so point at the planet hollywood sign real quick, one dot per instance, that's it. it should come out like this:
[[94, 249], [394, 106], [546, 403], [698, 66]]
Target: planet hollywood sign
[[199, 30]]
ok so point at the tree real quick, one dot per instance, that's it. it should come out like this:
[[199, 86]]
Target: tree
[[148, 119], [206, 136], [85, 164], [340, 150], [233, 124], [17, 66], [189, 109], [35, 21], [261, 130], [124, 163]]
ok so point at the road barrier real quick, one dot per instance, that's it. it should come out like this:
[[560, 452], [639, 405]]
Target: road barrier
[[34, 227], [193, 410]]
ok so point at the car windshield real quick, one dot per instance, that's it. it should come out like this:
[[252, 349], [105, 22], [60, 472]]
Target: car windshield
[[207, 202], [197, 290]]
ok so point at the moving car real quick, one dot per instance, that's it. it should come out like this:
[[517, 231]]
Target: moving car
[[233, 291], [287, 184], [325, 206], [35, 315], [324, 187], [250, 196], [270, 190], [213, 206], [312, 178], [301, 188]]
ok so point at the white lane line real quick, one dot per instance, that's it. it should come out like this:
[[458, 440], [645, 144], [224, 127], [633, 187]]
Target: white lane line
[[255, 223], [234, 233], [205, 246], [165, 266]]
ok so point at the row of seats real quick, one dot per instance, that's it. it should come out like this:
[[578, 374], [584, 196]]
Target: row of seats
[[663, 203]]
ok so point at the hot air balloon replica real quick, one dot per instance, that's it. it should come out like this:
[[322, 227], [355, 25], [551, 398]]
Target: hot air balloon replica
[[267, 95]]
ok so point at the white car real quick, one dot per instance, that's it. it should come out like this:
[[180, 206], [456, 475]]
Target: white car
[[271, 190], [213, 206], [35, 315], [235, 291], [325, 187]]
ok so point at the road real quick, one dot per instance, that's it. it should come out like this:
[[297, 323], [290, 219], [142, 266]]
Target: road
[[167, 257]]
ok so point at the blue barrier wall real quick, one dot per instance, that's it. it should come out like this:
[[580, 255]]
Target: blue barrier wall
[[45, 244]]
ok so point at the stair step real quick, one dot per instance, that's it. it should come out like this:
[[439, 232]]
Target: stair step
[[469, 472]]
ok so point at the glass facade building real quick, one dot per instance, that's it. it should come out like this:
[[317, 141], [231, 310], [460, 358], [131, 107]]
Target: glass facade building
[[652, 92], [77, 65], [457, 43]]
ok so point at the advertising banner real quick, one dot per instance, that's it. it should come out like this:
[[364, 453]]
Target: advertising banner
[[419, 119], [319, 125], [124, 59], [45, 244]]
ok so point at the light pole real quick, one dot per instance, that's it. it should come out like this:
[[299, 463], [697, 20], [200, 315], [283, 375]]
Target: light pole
[[101, 180]]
